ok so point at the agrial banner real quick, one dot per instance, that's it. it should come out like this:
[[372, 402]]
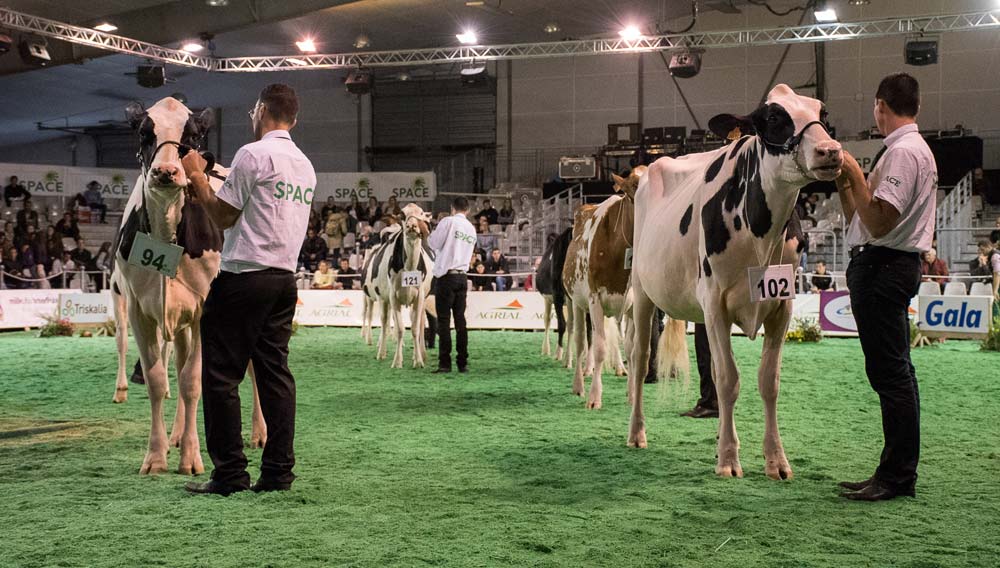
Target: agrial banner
[[404, 186], [67, 181]]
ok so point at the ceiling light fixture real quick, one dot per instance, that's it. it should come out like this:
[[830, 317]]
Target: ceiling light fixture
[[467, 37], [551, 28], [362, 41], [630, 33], [859, 2], [306, 46], [106, 27], [217, 3], [824, 13], [192, 47]]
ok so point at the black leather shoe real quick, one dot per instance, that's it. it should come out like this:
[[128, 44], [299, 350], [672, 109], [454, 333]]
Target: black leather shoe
[[463, 369], [265, 486], [856, 485], [440, 370], [212, 487], [877, 491], [701, 412]]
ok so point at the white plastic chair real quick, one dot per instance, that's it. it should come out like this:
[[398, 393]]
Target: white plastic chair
[[929, 289], [954, 289], [981, 289]]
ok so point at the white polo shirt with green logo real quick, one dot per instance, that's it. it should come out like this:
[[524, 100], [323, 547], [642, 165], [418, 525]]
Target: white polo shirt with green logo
[[272, 183]]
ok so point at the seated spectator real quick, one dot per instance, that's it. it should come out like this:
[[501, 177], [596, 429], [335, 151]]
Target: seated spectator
[[373, 213], [485, 240], [14, 190], [81, 256], [95, 200], [931, 265], [987, 263], [25, 236], [355, 209], [323, 278], [53, 244], [367, 240], [313, 250], [335, 229], [480, 280], [67, 227], [26, 216], [347, 277], [506, 215], [821, 279], [497, 264], [315, 221], [327, 208], [12, 267], [490, 212], [392, 208], [26, 257]]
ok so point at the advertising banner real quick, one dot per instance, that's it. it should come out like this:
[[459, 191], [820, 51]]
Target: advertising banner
[[835, 312], [505, 310], [955, 316], [86, 308], [26, 308], [66, 181], [405, 186]]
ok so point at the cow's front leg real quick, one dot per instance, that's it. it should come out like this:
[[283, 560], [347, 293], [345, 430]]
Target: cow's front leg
[[121, 341], [155, 371], [547, 322], [397, 318], [727, 386], [617, 363], [383, 336], [258, 431], [417, 333], [776, 465], [566, 347], [188, 346], [642, 316], [599, 350], [580, 346]]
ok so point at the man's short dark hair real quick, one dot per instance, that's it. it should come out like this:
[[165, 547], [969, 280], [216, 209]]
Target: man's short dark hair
[[460, 204], [495, 249], [280, 101], [901, 93]]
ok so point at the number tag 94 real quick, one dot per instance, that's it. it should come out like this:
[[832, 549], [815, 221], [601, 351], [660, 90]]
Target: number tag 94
[[155, 255], [411, 278], [771, 282]]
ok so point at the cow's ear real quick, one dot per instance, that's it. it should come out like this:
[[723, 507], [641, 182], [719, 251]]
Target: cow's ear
[[205, 119], [758, 119], [619, 181], [134, 114]]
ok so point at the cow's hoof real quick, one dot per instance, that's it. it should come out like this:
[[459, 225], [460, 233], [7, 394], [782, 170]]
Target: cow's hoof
[[194, 468], [258, 439], [593, 405], [153, 465], [121, 395], [637, 439], [621, 372], [778, 469], [729, 469]]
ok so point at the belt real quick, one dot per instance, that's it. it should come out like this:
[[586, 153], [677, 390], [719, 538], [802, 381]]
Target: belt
[[456, 271], [880, 252]]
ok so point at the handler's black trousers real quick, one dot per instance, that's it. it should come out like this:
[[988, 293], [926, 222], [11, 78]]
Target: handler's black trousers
[[703, 353], [449, 299], [881, 282], [248, 317]]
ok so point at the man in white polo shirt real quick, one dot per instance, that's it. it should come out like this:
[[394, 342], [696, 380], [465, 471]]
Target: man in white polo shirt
[[453, 241], [264, 208], [891, 218]]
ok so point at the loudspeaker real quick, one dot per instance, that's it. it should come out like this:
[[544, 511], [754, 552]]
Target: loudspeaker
[[150, 76], [652, 136], [921, 52], [624, 133], [359, 82], [34, 52], [584, 167], [685, 64], [5, 43]]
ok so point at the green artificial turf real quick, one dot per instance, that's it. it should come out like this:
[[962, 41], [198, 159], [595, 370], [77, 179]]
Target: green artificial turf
[[500, 467]]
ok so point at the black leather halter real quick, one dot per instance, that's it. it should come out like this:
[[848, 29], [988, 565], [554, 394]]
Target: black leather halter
[[793, 142]]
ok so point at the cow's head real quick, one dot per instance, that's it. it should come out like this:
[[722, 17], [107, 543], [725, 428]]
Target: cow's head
[[631, 183], [791, 128], [162, 128], [417, 224]]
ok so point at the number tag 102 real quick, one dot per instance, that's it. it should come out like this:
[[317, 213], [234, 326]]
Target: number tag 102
[[155, 255], [771, 282]]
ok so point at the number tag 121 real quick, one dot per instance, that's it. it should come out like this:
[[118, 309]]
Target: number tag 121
[[411, 278], [155, 255], [771, 282]]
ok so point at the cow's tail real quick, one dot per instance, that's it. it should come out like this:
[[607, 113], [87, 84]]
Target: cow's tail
[[672, 359]]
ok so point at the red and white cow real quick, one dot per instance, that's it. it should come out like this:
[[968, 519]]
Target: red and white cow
[[701, 221]]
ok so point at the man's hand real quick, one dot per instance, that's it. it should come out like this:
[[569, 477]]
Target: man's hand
[[193, 163], [849, 170]]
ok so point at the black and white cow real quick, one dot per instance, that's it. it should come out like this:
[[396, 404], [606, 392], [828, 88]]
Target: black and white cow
[[547, 280], [403, 249], [162, 309], [701, 221]]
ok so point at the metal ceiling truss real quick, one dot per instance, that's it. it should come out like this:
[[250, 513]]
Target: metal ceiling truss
[[434, 56]]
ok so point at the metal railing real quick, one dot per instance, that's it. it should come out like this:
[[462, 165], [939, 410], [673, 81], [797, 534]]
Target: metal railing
[[517, 280], [85, 279]]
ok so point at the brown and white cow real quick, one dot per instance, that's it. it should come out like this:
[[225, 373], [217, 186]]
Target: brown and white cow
[[701, 221], [597, 281], [162, 309]]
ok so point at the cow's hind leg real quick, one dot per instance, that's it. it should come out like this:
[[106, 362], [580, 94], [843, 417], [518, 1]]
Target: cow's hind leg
[[599, 350], [155, 370], [547, 322], [768, 379], [400, 331], [188, 347], [258, 431], [121, 341], [383, 336], [417, 332], [727, 386], [580, 347], [565, 353], [642, 318]]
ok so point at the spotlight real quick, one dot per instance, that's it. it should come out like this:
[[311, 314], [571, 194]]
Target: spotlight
[[551, 28], [921, 52], [150, 76], [217, 3], [359, 82], [403, 76], [192, 47], [630, 33], [306, 45], [106, 27], [34, 51], [824, 13], [467, 37], [297, 61], [859, 2], [685, 64], [473, 72], [362, 41]]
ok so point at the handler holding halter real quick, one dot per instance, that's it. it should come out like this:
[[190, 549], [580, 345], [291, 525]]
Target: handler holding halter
[[454, 242], [264, 208]]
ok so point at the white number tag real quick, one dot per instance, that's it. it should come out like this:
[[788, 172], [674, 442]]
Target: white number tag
[[628, 258], [154, 255], [771, 282], [411, 278]]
